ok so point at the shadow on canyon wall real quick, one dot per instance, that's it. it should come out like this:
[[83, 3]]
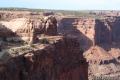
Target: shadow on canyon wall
[[67, 28], [107, 33], [7, 33], [7, 39]]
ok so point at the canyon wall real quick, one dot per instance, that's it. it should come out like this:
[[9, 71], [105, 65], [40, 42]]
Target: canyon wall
[[98, 31], [100, 40], [27, 29], [82, 28], [107, 30], [62, 60]]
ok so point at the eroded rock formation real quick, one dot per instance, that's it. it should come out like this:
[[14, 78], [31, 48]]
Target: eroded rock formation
[[107, 30], [62, 60], [100, 39], [97, 30], [27, 29], [50, 25], [82, 28]]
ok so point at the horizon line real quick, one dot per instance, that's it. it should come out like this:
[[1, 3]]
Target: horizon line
[[62, 9]]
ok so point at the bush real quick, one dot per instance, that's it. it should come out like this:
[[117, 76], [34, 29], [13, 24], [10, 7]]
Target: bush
[[32, 45], [44, 41]]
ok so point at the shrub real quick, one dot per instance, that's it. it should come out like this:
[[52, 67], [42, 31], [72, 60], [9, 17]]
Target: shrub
[[32, 45], [44, 41]]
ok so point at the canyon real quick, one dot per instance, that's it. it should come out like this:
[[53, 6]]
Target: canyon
[[52, 47], [99, 38]]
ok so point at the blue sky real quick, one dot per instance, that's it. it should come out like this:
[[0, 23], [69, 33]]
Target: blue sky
[[64, 4]]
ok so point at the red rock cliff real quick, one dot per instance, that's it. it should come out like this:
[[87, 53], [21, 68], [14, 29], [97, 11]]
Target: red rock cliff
[[100, 40], [62, 60]]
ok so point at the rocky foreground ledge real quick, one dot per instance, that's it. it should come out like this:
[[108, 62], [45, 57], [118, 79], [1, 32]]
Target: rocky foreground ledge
[[62, 60]]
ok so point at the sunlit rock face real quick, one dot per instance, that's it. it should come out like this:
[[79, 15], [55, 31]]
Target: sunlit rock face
[[27, 29], [22, 28]]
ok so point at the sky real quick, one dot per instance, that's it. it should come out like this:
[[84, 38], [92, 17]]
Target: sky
[[64, 4]]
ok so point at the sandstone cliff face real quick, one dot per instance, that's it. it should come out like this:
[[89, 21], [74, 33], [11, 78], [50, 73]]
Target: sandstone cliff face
[[99, 31], [107, 30], [4, 31], [62, 60], [101, 37], [82, 28], [21, 27], [27, 29], [50, 25]]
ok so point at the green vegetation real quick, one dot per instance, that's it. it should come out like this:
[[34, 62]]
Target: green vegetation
[[44, 41], [20, 50]]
